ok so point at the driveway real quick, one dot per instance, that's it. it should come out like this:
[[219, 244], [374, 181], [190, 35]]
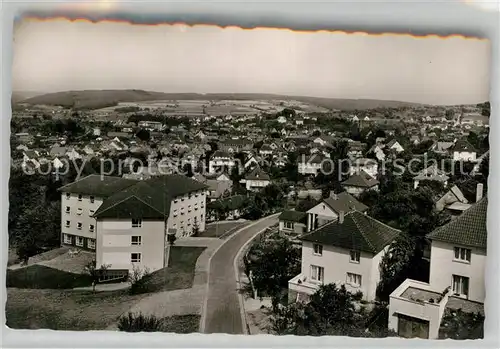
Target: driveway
[[222, 309]]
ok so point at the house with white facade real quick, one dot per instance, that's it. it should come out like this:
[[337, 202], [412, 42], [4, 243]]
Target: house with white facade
[[359, 182], [330, 208], [256, 180], [431, 173], [456, 280], [292, 222], [463, 151], [221, 161], [347, 252], [126, 221], [311, 165], [395, 146]]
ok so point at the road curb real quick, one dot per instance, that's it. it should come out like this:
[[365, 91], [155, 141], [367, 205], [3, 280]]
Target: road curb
[[203, 317], [241, 299]]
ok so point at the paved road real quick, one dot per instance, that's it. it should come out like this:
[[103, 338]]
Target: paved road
[[222, 308]]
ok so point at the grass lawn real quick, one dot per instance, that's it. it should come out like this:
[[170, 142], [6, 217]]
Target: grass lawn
[[65, 310], [222, 229], [181, 324], [39, 276], [180, 272]]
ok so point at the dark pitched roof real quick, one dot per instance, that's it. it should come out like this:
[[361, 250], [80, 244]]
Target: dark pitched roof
[[468, 229], [357, 232], [293, 216], [258, 174], [361, 179], [97, 185], [149, 199], [345, 202], [463, 145], [221, 154]]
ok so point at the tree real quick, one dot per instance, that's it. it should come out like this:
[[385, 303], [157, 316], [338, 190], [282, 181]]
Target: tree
[[331, 310], [395, 265], [306, 204], [96, 274], [458, 324], [273, 263], [37, 229]]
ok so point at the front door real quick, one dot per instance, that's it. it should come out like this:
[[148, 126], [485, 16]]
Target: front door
[[410, 327]]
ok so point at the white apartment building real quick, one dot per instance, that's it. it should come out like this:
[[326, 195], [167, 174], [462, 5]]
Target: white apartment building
[[221, 161], [311, 165], [347, 252], [152, 125], [456, 281], [126, 221]]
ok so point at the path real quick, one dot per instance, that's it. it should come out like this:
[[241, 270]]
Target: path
[[222, 310], [184, 301]]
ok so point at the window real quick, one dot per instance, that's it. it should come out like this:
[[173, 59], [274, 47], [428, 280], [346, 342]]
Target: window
[[91, 199], [288, 225], [462, 254], [68, 224], [79, 211], [68, 196], [68, 209], [80, 197], [67, 239], [355, 256], [176, 201], [317, 273], [189, 222], [91, 244], [135, 257], [91, 213], [460, 285], [318, 249], [79, 225], [175, 213], [354, 279], [189, 208], [79, 241], [136, 223], [91, 228], [136, 240]]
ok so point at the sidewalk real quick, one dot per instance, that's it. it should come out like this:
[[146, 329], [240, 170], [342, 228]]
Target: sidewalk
[[183, 301]]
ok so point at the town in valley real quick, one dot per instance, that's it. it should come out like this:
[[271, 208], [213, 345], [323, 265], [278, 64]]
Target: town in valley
[[137, 210]]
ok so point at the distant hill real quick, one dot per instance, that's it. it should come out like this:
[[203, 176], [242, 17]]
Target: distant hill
[[18, 96], [95, 99]]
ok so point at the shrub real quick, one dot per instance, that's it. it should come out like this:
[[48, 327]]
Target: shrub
[[139, 323]]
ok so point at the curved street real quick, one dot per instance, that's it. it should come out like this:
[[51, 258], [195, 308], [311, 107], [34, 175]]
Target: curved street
[[222, 309]]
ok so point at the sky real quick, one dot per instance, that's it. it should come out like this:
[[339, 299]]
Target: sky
[[60, 55]]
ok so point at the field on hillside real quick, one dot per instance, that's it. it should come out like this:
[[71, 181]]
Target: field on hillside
[[98, 99]]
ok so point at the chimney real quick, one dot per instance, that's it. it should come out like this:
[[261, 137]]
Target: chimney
[[333, 195], [479, 192], [341, 217]]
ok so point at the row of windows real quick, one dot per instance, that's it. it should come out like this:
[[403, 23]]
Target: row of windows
[[189, 197], [318, 275], [354, 256], [79, 226], [181, 223], [189, 209], [80, 197], [79, 211], [79, 241]]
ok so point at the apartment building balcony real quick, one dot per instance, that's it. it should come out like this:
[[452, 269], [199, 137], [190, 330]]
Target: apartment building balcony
[[416, 310]]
